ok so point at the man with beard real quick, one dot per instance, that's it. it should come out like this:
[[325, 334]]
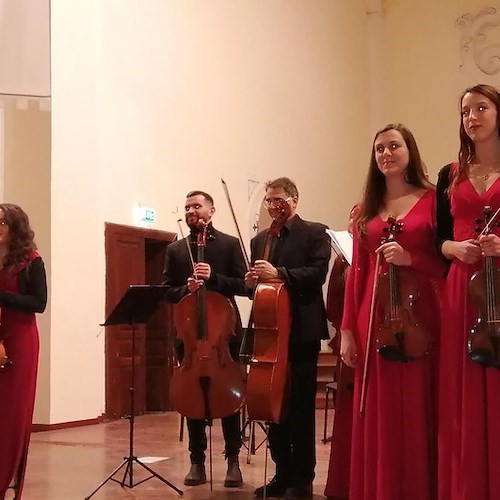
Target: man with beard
[[222, 272]]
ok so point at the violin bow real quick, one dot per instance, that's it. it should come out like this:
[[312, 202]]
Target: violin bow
[[364, 380], [188, 247], [240, 239]]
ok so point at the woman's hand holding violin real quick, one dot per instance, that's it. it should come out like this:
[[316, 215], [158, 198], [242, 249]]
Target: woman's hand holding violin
[[395, 254], [466, 251], [490, 245], [348, 348]]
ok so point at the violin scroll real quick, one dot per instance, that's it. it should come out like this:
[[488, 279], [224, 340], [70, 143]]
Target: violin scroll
[[393, 228], [201, 235], [280, 211]]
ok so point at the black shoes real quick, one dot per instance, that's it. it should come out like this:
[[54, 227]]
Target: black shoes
[[299, 492], [196, 475], [233, 475], [275, 488]]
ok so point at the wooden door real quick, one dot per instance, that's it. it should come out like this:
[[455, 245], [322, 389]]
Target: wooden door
[[159, 335], [126, 264]]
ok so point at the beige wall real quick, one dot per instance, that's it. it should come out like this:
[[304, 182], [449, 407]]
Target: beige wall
[[152, 99], [426, 68], [27, 182]]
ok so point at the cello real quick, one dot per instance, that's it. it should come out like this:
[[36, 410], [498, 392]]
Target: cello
[[268, 370], [265, 344], [483, 344], [401, 337], [208, 383]]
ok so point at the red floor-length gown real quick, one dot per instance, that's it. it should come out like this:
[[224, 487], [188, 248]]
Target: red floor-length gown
[[337, 484], [19, 332], [469, 431], [393, 454]]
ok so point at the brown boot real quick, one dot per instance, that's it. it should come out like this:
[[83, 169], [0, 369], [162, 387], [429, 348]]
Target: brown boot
[[233, 474], [196, 475]]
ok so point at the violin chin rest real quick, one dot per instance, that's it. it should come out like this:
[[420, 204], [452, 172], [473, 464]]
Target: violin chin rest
[[484, 357]]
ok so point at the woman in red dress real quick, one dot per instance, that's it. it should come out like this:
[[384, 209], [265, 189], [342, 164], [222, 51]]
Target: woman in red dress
[[469, 412], [23, 292], [393, 454], [337, 484]]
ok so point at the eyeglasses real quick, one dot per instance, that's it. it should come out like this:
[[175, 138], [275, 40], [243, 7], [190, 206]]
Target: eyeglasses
[[272, 202]]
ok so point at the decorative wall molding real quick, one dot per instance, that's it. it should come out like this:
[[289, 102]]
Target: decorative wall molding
[[481, 39], [374, 6]]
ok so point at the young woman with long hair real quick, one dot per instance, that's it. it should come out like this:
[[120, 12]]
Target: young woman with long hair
[[23, 292], [393, 454], [469, 414]]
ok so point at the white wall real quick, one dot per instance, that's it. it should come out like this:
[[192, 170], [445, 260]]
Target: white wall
[[25, 47], [152, 99]]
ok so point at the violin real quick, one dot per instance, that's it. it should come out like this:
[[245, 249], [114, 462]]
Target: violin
[[401, 337], [208, 383], [268, 368], [483, 344]]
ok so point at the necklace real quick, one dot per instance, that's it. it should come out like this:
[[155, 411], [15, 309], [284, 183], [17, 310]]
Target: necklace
[[484, 176]]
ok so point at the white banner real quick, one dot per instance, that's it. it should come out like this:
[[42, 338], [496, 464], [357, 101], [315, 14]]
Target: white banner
[[25, 47]]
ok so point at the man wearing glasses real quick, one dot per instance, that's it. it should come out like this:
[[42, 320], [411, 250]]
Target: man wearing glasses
[[299, 256]]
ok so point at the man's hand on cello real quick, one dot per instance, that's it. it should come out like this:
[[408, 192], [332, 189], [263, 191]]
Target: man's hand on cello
[[265, 270]]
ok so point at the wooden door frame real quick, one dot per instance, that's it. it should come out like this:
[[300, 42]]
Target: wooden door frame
[[112, 230]]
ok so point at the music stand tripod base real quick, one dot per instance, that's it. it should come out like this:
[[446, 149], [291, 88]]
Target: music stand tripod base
[[135, 307]]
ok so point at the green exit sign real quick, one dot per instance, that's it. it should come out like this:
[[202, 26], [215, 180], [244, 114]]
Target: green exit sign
[[147, 214]]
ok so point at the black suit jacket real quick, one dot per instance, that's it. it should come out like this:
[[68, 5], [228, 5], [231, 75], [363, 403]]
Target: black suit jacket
[[223, 253], [302, 263]]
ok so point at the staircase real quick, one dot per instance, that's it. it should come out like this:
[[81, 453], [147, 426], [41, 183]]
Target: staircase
[[327, 362]]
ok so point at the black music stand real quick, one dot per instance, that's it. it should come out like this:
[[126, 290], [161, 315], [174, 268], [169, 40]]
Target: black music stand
[[135, 307]]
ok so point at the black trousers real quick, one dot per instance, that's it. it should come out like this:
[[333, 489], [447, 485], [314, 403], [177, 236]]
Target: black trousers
[[198, 437], [231, 427], [292, 442]]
